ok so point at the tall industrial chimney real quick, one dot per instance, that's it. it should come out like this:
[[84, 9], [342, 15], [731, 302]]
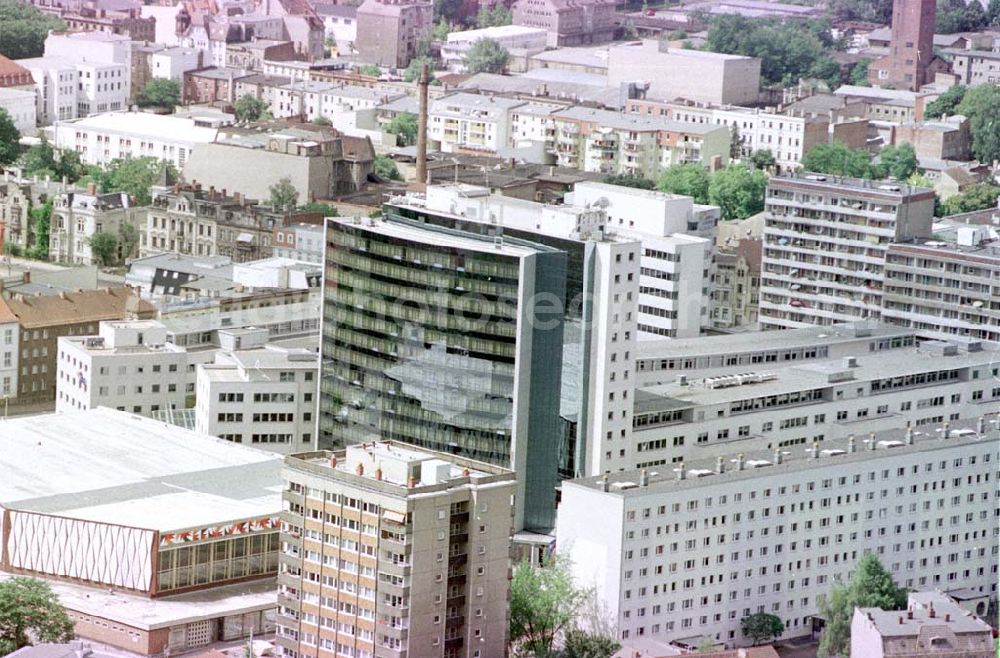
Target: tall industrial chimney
[[422, 84]]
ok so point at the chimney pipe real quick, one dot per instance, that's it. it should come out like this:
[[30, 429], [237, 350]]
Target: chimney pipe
[[411, 483], [333, 461], [871, 440], [947, 430], [850, 443], [720, 465], [909, 436], [740, 462], [378, 473], [422, 84], [777, 456], [930, 612], [604, 482], [643, 478], [981, 425], [681, 473], [947, 616], [360, 469]]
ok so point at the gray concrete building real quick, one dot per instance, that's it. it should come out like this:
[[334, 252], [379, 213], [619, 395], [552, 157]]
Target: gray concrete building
[[320, 162], [389, 31]]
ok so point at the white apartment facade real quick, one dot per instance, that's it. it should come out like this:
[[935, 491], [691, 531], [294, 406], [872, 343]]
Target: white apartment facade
[[825, 242], [102, 138], [56, 88], [10, 336], [393, 551], [21, 107], [691, 549], [103, 87], [264, 397], [678, 238], [128, 366], [470, 122], [173, 63], [786, 407]]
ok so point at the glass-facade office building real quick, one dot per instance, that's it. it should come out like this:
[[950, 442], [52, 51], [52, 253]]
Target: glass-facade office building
[[449, 341]]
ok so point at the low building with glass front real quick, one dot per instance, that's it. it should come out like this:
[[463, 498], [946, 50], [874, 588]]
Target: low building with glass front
[[102, 501], [439, 339]]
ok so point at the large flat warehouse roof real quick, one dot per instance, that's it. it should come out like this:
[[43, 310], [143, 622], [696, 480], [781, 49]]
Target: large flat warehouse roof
[[114, 467]]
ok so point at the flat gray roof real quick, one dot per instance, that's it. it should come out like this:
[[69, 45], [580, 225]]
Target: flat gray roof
[[762, 341], [793, 377], [116, 467], [889, 444]]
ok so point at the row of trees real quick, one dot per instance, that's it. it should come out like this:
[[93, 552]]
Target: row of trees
[[838, 159], [788, 50], [737, 189]]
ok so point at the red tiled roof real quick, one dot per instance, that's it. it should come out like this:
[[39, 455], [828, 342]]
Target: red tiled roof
[[13, 74]]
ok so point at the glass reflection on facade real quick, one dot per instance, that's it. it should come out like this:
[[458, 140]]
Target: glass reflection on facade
[[430, 338]]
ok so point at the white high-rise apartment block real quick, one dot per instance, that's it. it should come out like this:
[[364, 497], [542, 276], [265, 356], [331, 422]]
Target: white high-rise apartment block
[[775, 406], [393, 551], [264, 396], [690, 549], [56, 88], [825, 243], [678, 239], [128, 366]]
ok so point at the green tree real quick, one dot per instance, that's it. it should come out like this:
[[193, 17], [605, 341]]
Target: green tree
[[10, 139], [493, 16], [688, 179], [250, 108], [134, 176], [761, 627], [404, 126], [976, 197], [412, 72], [318, 206], [762, 159], [543, 604], [42, 160], [104, 247], [30, 611], [788, 51], [945, 103], [839, 160], [981, 105], [738, 190], [452, 11], [871, 586], [580, 644], [441, 30], [859, 74], [486, 56], [874, 11], [960, 16], [386, 168], [900, 162], [370, 70], [128, 240], [993, 12], [284, 196], [41, 218], [627, 180], [160, 92], [322, 121], [23, 29]]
